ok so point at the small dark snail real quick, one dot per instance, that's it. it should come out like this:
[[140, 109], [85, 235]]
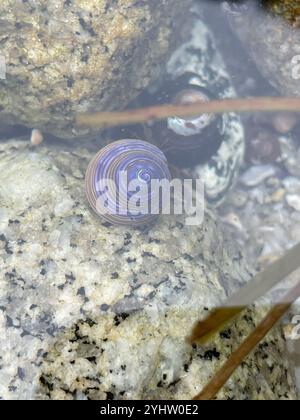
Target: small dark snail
[[118, 181], [194, 125], [188, 141], [185, 141]]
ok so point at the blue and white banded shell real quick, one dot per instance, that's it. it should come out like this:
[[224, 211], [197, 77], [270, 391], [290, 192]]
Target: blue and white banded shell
[[118, 182]]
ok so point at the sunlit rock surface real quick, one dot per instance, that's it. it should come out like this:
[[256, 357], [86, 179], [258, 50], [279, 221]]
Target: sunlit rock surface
[[271, 35]]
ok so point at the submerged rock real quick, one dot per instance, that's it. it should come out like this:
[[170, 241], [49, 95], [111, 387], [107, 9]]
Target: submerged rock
[[89, 310], [271, 35], [67, 57]]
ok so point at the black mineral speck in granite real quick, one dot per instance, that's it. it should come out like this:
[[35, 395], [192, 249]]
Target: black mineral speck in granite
[[226, 334], [117, 321], [81, 291], [211, 354], [153, 241], [9, 321], [131, 260], [106, 224], [87, 27], [249, 319], [127, 239], [12, 274], [119, 318], [186, 367], [70, 82], [91, 359], [188, 257], [148, 254], [21, 373], [70, 277], [13, 222], [7, 248], [90, 322], [110, 396]]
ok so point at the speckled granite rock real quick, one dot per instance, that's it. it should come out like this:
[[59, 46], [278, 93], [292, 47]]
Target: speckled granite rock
[[145, 357], [66, 57], [91, 310], [272, 38]]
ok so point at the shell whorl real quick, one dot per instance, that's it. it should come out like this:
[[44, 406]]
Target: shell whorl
[[117, 166], [191, 126]]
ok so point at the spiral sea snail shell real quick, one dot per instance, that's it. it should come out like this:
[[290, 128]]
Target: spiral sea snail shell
[[118, 182]]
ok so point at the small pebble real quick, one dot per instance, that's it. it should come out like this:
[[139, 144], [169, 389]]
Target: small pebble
[[290, 155], [257, 174], [36, 137], [239, 199], [77, 173], [262, 146], [273, 182], [293, 201], [276, 197], [63, 207], [290, 332], [284, 122], [233, 219], [291, 184]]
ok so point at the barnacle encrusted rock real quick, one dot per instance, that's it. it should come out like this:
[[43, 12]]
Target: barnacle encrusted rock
[[90, 310], [63, 57], [271, 35]]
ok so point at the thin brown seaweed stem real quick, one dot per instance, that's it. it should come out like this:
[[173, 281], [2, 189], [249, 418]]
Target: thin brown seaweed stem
[[263, 282], [99, 120], [274, 315]]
